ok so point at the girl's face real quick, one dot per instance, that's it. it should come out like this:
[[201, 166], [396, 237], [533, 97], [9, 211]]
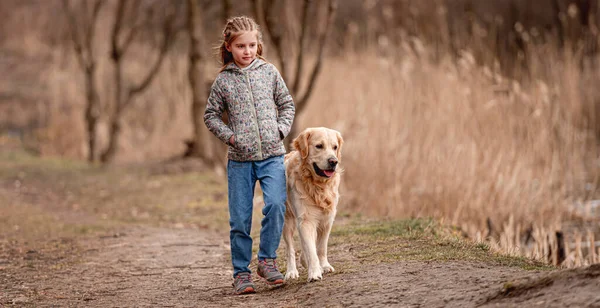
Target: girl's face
[[244, 48]]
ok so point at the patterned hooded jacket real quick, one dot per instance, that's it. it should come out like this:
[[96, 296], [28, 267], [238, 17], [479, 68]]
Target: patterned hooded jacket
[[260, 110]]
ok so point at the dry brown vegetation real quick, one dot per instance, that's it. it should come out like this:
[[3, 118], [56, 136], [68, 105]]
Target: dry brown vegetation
[[445, 141], [489, 124]]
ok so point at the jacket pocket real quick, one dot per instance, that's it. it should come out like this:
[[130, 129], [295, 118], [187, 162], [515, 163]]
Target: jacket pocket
[[274, 143], [244, 143]]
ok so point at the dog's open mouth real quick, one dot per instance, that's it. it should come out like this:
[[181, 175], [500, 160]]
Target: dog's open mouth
[[324, 173]]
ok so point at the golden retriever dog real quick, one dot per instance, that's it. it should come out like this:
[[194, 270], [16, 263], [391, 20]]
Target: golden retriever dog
[[313, 179]]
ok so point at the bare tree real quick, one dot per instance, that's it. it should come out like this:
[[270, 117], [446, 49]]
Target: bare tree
[[196, 147], [122, 36], [82, 23], [263, 10], [202, 145]]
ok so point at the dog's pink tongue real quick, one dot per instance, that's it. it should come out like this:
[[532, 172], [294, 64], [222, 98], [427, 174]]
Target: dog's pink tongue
[[328, 173]]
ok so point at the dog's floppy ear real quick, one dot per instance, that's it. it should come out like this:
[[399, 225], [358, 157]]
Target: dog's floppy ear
[[301, 143], [338, 152]]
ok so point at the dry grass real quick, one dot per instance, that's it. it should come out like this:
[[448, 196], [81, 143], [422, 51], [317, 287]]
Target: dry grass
[[58, 197], [459, 142]]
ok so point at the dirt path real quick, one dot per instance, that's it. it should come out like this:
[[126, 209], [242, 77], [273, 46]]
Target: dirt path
[[75, 236], [150, 267], [157, 267]]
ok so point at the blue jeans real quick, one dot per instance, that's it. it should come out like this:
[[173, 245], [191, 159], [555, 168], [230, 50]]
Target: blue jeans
[[241, 179]]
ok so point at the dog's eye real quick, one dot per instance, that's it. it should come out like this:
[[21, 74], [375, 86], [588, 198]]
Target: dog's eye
[[335, 147], [319, 146]]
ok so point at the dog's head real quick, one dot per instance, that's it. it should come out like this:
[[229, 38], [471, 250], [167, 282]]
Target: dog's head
[[320, 149]]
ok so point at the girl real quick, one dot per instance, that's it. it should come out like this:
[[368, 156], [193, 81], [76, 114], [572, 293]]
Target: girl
[[261, 111]]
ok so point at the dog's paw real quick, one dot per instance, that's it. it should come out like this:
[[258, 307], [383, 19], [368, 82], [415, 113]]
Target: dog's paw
[[291, 275], [327, 268], [315, 274]]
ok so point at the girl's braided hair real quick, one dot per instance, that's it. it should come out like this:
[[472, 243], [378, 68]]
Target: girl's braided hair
[[233, 28]]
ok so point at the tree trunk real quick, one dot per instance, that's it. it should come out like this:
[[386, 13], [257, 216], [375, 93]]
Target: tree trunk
[[201, 146], [92, 112], [115, 121], [82, 35], [114, 136], [124, 95]]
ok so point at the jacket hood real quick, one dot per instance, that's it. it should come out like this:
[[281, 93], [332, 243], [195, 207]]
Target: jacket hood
[[258, 62]]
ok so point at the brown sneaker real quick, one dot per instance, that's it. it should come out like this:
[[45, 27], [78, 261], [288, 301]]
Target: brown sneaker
[[242, 284], [267, 269]]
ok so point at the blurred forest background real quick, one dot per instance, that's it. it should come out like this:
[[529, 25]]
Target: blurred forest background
[[485, 114]]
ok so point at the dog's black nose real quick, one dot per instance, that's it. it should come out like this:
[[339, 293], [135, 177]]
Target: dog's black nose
[[333, 162]]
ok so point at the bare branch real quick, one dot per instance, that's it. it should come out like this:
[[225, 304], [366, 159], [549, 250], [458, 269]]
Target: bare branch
[[168, 36], [95, 12], [300, 56], [91, 27], [192, 28], [275, 35], [124, 99], [74, 36], [116, 50], [134, 29], [257, 11], [82, 33], [130, 37], [332, 7]]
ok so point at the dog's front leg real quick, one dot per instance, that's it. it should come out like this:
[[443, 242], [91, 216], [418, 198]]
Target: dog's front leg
[[322, 239], [289, 227], [308, 238]]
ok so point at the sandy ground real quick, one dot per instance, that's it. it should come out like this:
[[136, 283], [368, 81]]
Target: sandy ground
[[151, 267], [180, 261]]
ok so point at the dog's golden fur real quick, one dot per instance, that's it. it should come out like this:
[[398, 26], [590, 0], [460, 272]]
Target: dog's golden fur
[[313, 179], [316, 192]]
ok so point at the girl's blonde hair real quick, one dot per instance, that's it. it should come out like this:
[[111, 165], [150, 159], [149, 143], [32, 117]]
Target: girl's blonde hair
[[233, 28]]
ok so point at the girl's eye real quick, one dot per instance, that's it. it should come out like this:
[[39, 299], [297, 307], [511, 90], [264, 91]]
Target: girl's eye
[[319, 146]]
